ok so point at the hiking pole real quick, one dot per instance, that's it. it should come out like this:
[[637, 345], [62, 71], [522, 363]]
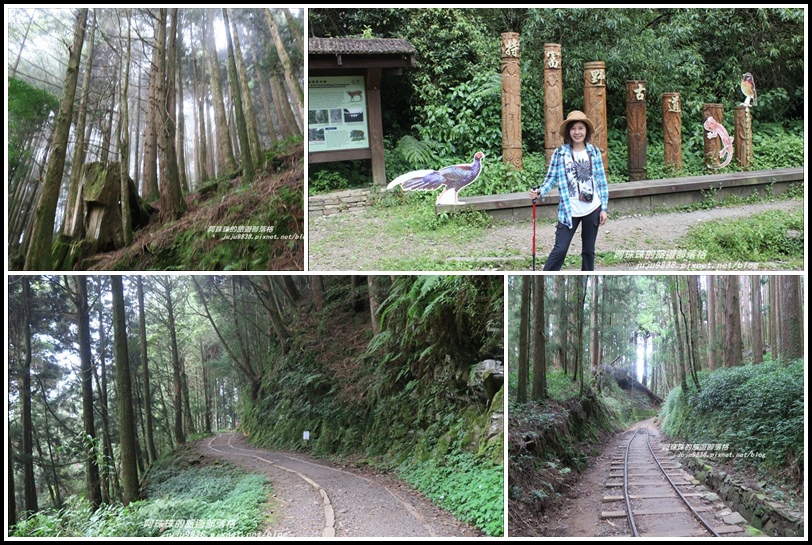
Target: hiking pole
[[534, 234]]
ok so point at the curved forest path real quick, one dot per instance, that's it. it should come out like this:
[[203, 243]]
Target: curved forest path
[[313, 498]]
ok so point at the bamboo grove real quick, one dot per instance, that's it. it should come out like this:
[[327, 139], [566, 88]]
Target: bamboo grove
[[169, 98]]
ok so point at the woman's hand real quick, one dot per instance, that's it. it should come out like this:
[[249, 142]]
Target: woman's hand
[[603, 218], [534, 194]]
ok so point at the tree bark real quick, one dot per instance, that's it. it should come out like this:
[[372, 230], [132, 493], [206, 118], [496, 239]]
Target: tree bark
[[38, 256], [791, 331], [524, 339], [245, 92], [129, 469], [294, 90], [758, 329], [73, 224], [86, 366], [225, 152], [239, 114], [733, 323], [124, 141], [678, 335], [149, 181], [539, 392], [172, 204], [594, 351], [152, 452], [29, 484]]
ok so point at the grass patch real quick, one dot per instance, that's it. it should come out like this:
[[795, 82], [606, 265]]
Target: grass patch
[[185, 497], [769, 236]]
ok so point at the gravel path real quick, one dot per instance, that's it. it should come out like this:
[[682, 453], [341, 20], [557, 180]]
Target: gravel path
[[360, 242], [316, 499]]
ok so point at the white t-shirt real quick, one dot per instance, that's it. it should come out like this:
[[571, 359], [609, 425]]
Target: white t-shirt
[[579, 180]]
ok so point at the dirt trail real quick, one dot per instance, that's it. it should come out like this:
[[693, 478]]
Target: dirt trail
[[317, 499], [359, 241]]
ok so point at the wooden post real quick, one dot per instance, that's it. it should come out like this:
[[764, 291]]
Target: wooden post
[[672, 130], [511, 101], [743, 136], [373, 88], [636, 134], [553, 101], [712, 145], [595, 105]]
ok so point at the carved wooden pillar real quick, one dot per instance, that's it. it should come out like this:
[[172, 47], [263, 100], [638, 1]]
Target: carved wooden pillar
[[743, 136], [712, 145], [595, 105], [553, 101], [511, 101], [672, 130], [636, 130]]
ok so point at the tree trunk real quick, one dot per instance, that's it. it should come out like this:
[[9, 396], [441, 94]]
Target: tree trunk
[[236, 96], [124, 141], [733, 323], [107, 470], [225, 153], [189, 427], [11, 491], [90, 442], [202, 147], [152, 452], [294, 90], [317, 291], [524, 339], [247, 102], [38, 257], [560, 324], [791, 332], [678, 335], [149, 182], [775, 329], [180, 436], [594, 351], [284, 115], [712, 334], [180, 143], [273, 129], [539, 341], [73, 224], [129, 469], [172, 204], [758, 330], [29, 484], [579, 344]]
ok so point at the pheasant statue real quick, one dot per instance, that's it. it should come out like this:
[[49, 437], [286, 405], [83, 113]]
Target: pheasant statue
[[452, 178]]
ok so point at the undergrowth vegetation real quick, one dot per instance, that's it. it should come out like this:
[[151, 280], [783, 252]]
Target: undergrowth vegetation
[[757, 410], [402, 400], [184, 497], [551, 443]]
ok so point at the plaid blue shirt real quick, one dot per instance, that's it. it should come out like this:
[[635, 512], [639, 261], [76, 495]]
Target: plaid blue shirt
[[557, 176]]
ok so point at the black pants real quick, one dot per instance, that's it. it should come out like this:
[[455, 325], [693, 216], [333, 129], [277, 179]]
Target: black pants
[[563, 238]]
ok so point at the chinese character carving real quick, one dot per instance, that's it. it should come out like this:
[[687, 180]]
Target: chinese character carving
[[673, 104], [511, 47], [598, 76], [640, 92], [553, 59]]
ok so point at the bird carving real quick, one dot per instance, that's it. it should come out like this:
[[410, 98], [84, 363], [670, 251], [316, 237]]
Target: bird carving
[[749, 89], [452, 179]]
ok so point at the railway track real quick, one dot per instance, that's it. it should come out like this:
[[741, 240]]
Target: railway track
[[653, 493]]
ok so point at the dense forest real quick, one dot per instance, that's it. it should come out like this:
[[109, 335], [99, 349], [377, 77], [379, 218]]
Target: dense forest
[[155, 120], [111, 376], [716, 358], [449, 105]]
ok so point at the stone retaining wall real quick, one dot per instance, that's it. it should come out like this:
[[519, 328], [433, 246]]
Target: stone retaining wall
[[774, 519], [352, 200]]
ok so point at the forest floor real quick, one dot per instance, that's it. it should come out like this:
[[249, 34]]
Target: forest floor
[[316, 498], [362, 241]]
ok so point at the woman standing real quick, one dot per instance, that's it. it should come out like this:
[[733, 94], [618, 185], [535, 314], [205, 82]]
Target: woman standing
[[576, 168]]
